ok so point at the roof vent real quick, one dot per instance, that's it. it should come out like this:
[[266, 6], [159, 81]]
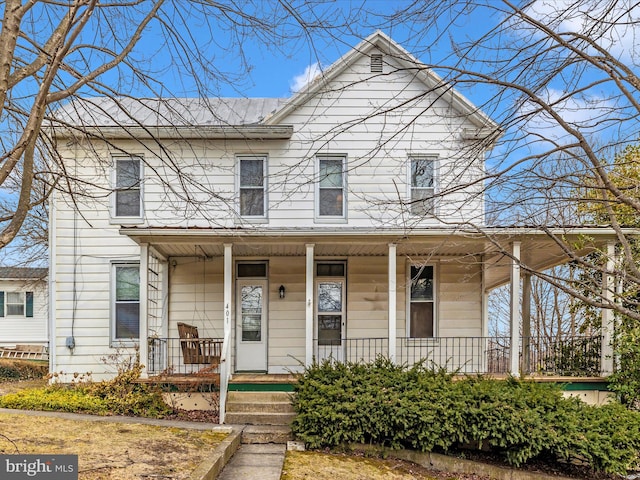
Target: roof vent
[[376, 63]]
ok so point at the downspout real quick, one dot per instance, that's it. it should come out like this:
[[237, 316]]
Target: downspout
[[52, 286]]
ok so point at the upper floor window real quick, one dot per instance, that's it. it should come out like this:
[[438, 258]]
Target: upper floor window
[[423, 174], [331, 186], [16, 304], [422, 303], [127, 187], [126, 301], [252, 180]]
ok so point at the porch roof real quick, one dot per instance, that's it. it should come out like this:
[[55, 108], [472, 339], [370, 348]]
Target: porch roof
[[541, 249]]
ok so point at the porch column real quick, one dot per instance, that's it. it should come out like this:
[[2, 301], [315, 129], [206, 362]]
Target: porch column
[[228, 296], [392, 302], [526, 323], [308, 360], [515, 310], [607, 318], [225, 360], [144, 308]]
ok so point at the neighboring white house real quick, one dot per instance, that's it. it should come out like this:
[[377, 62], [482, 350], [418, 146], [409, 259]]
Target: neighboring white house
[[24, 318], [343, 222]]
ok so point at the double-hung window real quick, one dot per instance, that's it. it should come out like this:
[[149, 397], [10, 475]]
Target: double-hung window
[[126, 301], [422, 303], [128, 187], [252, 186], [423, 173], [331, 201], [16, 304]]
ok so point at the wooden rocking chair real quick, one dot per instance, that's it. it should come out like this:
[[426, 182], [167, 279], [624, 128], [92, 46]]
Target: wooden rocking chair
[[197, 350]]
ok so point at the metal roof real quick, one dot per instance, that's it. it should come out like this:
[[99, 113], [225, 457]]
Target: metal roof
[[167, 112], [22, 273]]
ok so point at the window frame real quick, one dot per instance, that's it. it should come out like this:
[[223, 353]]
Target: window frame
[[128, 341], [127, 219], [239, 187], [319, 218], [27, 304], [434, 159], [433, 301]]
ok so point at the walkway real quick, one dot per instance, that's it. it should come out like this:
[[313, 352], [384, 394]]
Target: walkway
[[255, 461]]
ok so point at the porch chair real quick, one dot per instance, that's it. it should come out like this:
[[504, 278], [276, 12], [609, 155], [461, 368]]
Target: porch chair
[[196, 350]]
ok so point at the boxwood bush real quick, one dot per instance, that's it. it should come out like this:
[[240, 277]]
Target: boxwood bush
[[428, 410]]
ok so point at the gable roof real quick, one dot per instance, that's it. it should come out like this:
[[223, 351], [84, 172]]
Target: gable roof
[[128, 117], [380, 41]]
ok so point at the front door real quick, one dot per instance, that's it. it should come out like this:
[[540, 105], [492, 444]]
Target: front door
[[330, 319], [251, 326]]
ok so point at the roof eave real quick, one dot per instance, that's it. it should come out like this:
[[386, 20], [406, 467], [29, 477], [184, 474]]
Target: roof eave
[[177, 132]]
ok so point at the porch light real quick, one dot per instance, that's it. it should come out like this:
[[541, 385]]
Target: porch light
[[281, 291]]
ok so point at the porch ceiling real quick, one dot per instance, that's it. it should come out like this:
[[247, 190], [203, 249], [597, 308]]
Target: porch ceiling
[[539, 250]]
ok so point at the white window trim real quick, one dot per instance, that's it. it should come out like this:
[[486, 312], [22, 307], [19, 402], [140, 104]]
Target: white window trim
[[435, 158], [330, 218], [120, 342], [265, 172], [436, 301], [6, 305], [125, 220]]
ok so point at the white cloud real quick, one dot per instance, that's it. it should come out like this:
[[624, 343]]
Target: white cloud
[[306, 77], [613, 27], [588, 114]]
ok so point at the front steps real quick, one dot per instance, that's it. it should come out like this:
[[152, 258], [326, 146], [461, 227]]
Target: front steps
[[262, 403], [259, 408]]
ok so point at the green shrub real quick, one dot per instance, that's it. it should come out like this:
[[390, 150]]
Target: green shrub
[[22, 369], [55, 399], [427, 410], [120, 396]]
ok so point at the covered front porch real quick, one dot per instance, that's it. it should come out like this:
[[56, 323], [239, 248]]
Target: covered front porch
[[274, 303]]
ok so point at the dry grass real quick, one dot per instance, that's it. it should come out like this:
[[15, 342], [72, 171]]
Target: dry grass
[[329, 466], [110, 451]]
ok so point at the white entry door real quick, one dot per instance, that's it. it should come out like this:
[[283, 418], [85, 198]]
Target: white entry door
[[330, 319], [251, 326]]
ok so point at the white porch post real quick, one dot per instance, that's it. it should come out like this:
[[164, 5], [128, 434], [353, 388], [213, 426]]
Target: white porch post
[[392, 301], [526, 323], [606, 360], [515, 310], [225, 361], [308, 360], [144, 309]]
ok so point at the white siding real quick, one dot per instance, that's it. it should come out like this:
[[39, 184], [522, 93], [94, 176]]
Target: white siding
[[21, 329], [375, 126]]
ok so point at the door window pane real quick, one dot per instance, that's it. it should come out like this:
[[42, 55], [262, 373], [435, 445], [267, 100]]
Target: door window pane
[[329, 330], [251, 304], [422, 302], [330, 297]]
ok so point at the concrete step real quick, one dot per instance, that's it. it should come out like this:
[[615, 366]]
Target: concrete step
[[260, 434], [258, 418], [259, 397], [268, 407]]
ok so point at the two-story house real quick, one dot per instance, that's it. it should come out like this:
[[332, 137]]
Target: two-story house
[[344, 222]]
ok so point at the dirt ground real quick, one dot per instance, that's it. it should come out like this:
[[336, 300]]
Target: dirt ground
[[330, 466], [110, 451]]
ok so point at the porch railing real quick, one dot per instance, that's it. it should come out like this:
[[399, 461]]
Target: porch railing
[[563, 356], [166, 355]]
